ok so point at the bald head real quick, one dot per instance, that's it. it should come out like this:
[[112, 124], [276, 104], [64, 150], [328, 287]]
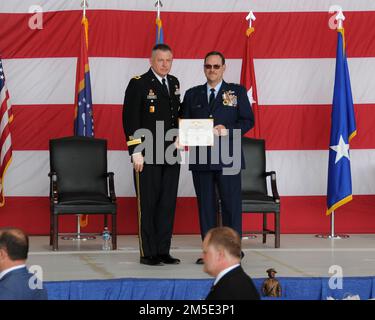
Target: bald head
[[15, 243]]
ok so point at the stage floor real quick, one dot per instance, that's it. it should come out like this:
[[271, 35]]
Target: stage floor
[[299, 256]]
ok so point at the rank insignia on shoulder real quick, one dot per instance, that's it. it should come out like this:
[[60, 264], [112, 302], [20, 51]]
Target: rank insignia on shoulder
[[137, 77], [152, 109], [151, 95], [177, 91]]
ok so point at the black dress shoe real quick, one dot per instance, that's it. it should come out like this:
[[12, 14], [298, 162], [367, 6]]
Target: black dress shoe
[[151, 261], [168, 259], [200, 260]]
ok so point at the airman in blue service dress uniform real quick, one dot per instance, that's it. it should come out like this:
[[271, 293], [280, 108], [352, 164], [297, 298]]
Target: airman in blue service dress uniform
[[229, 106], [150, 100]]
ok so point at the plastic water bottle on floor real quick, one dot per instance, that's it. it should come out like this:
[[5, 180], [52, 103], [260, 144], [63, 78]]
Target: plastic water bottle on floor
[[106, 239]]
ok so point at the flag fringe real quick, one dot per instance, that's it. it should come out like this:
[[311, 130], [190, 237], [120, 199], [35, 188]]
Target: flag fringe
[[339, 204]]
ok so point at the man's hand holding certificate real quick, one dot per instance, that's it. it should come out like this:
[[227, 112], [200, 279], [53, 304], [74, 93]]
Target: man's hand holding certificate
[[196, 132], [220, 130]]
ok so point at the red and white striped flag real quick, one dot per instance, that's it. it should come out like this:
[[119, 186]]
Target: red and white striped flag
[[5, 138]]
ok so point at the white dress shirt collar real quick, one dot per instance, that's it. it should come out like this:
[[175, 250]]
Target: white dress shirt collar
[[224, 272], [217, 88], [6, 271], [161, 78]]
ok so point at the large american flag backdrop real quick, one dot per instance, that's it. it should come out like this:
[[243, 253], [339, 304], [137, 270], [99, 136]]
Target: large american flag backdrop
[[294, 52]]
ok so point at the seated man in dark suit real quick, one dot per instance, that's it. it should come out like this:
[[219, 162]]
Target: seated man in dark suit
[[222, 256], [16, 283]]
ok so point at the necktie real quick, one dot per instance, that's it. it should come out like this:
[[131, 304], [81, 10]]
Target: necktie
[[165, 88], [212, 97]]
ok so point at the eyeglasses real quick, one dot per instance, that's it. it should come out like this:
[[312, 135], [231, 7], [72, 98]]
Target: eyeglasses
[[210, 66]]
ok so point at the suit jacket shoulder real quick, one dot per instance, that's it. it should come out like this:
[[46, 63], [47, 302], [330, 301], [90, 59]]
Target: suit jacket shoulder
[[235, 285], [15, 286]]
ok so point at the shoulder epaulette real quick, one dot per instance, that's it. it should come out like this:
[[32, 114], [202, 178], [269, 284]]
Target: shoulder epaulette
[[137, 77]]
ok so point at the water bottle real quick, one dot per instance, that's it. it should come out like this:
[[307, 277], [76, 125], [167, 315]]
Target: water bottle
[[106, 239]]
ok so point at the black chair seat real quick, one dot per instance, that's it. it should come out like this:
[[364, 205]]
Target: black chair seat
[[256, 202], [85, 208], [260, 207], [255, 197], [82, 198]]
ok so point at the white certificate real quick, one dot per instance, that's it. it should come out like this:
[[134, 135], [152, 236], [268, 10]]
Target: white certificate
[[196, 132]]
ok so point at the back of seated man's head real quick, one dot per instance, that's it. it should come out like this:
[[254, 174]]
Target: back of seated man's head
[[14, 247], [227, 239]]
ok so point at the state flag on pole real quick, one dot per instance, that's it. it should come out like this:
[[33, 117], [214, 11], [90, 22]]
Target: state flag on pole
[[84, 121], [249, 82], [343, 129], [6, 117], [159, 31]]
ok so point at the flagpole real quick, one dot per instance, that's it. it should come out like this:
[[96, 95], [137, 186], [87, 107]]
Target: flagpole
[[158, 5], [250, 17], [78, 235], [248, 73], [159, 27], [332, 235], [84, 5], [340, 20]]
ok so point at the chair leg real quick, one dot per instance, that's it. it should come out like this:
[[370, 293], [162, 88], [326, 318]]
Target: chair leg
[[105, 220], [51, 228], [264, 227], [277, 229], [114, 232], [55, 244]]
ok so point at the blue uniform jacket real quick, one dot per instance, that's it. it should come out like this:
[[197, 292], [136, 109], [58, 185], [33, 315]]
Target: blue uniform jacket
[[231, 108]]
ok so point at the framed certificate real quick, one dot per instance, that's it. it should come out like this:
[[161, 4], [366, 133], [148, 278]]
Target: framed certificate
[[196, 132]]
